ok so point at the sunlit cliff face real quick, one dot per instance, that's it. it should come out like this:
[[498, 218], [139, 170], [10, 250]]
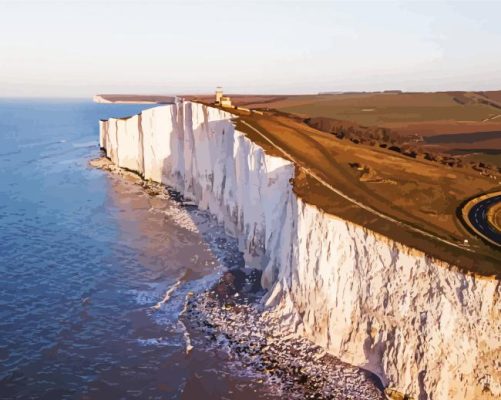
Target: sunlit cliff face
[[422, 326]]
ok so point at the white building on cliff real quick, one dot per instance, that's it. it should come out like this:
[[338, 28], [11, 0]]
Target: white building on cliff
[[223, 101]]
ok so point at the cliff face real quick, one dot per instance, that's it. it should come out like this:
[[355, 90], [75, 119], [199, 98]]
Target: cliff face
[[100, 99], [423, 327]]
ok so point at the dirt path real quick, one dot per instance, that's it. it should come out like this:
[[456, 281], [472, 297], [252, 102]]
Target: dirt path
[[491, 118]]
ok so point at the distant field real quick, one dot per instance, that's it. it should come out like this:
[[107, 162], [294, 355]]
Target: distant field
[[494, 159], [494, 95], [382, 108], [432, 128], [378, 109], [473, 119]]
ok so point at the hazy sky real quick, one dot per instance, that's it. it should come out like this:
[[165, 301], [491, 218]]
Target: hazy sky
[[79, 48]]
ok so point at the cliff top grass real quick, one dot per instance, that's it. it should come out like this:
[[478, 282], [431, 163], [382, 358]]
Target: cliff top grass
[[383, 108], [421, 198]]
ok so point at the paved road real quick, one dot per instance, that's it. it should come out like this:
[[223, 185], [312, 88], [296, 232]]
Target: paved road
[[478, 218]]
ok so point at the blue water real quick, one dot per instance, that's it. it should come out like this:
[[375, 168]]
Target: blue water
[[83, 258]]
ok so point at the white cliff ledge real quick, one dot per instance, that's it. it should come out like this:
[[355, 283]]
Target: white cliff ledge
[[133, 99], [423, 327]]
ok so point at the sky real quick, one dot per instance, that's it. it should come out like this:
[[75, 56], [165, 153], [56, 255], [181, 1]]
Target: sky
[[80, 48]]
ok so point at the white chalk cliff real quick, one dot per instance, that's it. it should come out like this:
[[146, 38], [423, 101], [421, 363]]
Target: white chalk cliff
[[100, 99], [422, 326]]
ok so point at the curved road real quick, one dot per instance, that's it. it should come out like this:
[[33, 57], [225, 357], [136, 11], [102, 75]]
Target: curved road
[[478, 218]]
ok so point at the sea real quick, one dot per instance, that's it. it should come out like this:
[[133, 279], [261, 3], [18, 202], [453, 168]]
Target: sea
[[94, 271]]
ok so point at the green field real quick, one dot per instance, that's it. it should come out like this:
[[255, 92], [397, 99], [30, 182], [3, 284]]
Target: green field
[[378, 109]]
